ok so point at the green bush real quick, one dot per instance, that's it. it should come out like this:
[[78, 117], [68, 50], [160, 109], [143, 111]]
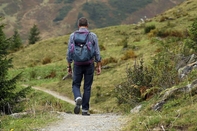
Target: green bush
[[147, 29], [164, 67], [129, 91], [147, 80], [193, 36]]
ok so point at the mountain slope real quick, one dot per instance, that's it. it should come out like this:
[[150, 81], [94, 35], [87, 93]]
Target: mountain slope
[[58, 17]]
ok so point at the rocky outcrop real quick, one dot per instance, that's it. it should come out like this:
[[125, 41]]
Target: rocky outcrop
[[168, 93], [186, 65]]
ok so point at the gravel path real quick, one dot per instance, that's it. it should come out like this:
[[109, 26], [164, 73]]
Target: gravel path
[[73, 122], [94, 122]]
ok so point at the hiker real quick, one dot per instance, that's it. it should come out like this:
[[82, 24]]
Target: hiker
[[81, 42]]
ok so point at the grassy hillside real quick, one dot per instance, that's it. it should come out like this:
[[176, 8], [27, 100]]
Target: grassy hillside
[[44, 65], [58, 17]]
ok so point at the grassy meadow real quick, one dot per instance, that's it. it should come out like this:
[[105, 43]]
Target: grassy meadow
[[43, 64]]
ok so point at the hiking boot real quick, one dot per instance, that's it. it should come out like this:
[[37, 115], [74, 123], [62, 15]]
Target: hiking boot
[[85, 114], [78, 104]]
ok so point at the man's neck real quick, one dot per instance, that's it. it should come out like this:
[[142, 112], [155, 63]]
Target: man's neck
[[83, 27]]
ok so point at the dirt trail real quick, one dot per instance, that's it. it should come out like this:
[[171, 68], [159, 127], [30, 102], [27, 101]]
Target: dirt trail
[[55, 94], [73, 122]]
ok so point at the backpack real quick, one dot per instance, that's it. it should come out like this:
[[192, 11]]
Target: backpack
[[82, 49]]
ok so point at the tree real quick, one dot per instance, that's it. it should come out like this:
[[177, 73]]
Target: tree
[[8, 89], [16, 41], [34, 35]]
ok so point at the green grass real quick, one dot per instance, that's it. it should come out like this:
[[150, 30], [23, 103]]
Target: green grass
[[177, 114], [27, 123], [41, 109]]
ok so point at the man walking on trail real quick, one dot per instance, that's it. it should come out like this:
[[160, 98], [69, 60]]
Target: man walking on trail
[[84, 50]]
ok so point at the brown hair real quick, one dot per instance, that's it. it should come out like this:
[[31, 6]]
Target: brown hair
[[82, 22]]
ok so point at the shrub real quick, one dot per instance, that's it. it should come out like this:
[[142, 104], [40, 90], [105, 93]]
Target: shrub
[[152, 33], [98, 94], [138, 79], [137, 38], [51, 75], [193, 37], [164, 68], [139, 75], [46, 60], [125, 42], [163, 18], [142, 82], [33, 74], [147, 29], [102, 47], [169, 33], [108, 60], [128, 54]]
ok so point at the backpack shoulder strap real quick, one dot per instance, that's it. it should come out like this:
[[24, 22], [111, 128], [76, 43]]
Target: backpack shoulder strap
[[83, 38]]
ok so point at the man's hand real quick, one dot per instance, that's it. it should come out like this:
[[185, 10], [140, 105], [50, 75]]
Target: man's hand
[[98, 68], [69, 70]]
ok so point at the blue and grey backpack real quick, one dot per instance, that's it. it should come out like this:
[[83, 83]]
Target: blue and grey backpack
[[82, 49]]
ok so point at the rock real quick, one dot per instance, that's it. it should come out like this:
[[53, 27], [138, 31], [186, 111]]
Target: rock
[[186, 65], [136, 109], [158, 105], [190, 88], [18, 115]]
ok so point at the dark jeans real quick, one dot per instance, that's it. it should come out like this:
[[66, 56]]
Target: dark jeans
[[86, 71]]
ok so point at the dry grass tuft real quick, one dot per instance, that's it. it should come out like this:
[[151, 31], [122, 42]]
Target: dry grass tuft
[[109, 60], [46, 60], [128, 55]]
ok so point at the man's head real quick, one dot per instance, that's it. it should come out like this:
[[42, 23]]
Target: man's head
[[83, 22]]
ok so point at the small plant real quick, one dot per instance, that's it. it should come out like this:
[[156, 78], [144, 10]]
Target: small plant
[[128, 55], [102, 47], [163, 18], [193, 36], [132, 89], [33, 74], [152, 33], [163, 66], [51, 75], [46, 60], [125, 42], [98, 94], [108, 60], [147, 29]]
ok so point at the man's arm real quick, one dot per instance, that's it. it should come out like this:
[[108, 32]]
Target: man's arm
[[98, 68], [69, 68], [97, 55], [69, 60]]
